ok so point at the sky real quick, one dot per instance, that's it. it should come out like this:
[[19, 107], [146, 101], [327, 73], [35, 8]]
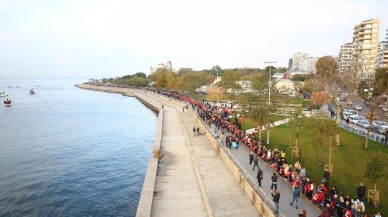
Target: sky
[[109, 38]]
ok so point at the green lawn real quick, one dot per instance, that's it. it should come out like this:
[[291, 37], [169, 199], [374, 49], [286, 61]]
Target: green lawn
[[349, 159]]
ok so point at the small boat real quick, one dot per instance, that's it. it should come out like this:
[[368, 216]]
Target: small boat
[[9, 86], [32, 92], [3, 94], [7, 102]]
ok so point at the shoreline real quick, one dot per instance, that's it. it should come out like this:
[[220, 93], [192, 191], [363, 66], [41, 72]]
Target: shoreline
[[120, 90]]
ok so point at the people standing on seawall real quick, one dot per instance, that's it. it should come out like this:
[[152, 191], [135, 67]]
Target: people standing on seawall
[[295, 197], [251, 157], [194, 131], [197, 130], [274, 179], [259, 176], [162, 106], [276, 197], [256, 163]]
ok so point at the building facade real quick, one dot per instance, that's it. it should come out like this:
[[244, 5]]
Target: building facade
[[365, 47], [382, 55], [345, 57], [304, 62]]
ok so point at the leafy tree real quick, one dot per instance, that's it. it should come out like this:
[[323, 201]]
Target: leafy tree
[[298, 78], [215, 94], [190, 81], [140, 74], [381, 81], [320, 98], [326, 128], [296, 119], [375, 166], [335, 82]]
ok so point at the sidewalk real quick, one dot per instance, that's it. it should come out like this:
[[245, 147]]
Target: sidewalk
[[192, 180]]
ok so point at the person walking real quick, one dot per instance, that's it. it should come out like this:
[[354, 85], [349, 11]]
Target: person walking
[[256, 163], [295, 197], [259, 176], [194, 131], [274, 179], [251, 157], [197, 131], [276, 197]]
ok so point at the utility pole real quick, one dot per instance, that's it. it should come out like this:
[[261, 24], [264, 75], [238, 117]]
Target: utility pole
[[269, 92]]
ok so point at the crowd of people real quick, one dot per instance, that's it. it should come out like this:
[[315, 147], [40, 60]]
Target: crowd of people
[[230, 134]]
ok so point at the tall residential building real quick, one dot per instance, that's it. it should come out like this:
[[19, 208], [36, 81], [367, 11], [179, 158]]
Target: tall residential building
[[303, 61], [345, 57], [365, 47], [382, 55]]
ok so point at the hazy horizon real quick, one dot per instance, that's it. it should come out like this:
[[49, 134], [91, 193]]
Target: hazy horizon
[[97, 39]]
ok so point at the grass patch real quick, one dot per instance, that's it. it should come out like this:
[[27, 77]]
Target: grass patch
[[349, 160]]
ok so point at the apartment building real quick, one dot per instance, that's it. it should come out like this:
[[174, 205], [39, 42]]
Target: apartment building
[[345, 57], [382, 55], [304, 62], [365, 47]]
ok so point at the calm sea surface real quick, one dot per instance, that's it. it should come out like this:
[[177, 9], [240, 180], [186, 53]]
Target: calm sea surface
[[71, 152]]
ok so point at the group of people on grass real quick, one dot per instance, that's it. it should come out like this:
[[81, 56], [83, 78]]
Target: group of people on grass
[[230, 134]]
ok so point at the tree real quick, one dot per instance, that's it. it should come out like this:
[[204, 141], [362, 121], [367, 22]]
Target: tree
[[320, 98], [381, 81], [374, 170], [140, 74], [326, 129], [214, 94], [335, 82], [296, 120], [190, 81], [298, 78]]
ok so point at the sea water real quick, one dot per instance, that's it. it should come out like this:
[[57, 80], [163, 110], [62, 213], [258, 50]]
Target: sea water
[[66, 151]]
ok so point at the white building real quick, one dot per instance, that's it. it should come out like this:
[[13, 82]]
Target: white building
[[304, 62], [345, 57], [167, 66], [365, 47], [382, 55]]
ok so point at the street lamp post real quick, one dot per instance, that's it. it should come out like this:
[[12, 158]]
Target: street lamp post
[[269, 92]]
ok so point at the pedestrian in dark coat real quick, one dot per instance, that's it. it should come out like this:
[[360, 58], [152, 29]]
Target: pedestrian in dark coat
[[256, 163], [361, 192], [276, 197], [259, 176], [251, 157], [274, 180]]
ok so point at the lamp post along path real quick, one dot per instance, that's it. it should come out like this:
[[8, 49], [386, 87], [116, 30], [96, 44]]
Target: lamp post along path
[[269, 92]]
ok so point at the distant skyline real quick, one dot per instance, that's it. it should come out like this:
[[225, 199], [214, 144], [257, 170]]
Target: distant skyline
[[102, 39]]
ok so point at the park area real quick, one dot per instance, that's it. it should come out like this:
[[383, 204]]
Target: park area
[[349, 159]]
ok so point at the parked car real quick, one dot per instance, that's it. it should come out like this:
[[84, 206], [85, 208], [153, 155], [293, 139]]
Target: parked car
[[353, 119], [357, 107], [363, 123], [378, 129], [347, 112], [381, 124]]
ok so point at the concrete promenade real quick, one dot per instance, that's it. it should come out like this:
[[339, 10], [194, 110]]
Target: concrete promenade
[[200, 177], [192, 180]]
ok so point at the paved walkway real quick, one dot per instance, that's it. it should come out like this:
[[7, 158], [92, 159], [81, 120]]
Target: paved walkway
[[192, 180]]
